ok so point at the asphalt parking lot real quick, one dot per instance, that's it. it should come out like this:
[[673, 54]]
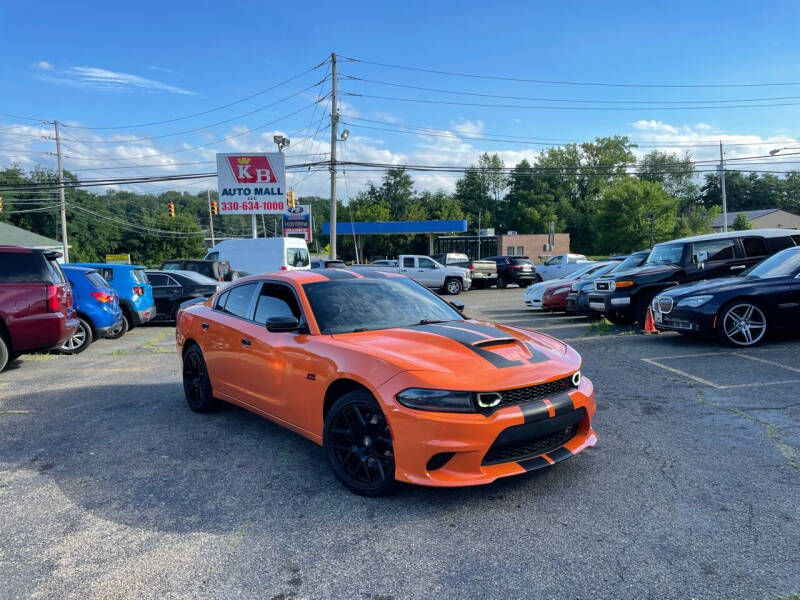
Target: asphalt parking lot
[[111, 487]]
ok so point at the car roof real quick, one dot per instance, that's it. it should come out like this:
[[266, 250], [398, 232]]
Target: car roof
[[767, 233], [193, 275], [105, 265], [78, 269]]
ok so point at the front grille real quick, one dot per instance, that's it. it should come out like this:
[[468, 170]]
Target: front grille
[[662, 304], [536, 392], [530, 448]]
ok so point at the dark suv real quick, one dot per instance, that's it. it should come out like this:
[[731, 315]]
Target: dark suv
[[35, 302], [625, 298], [514, 269], [215, 269]]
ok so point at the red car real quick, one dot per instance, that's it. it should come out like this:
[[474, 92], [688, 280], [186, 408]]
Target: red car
[[555, 296], [35, 302]]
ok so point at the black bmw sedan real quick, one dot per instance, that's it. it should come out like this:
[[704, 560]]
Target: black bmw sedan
[[739, 310]]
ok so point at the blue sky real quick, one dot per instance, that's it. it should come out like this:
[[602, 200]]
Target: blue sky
[[116, 64]]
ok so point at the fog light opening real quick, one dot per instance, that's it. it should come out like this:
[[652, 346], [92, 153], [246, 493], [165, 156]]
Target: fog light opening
[[437, 461], [489, 399]]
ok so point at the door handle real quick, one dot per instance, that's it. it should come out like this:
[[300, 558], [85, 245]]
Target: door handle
[[204, 326], [738, 267], [246, 342]]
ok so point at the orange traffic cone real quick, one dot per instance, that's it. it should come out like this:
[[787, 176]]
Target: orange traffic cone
[[649, 327]]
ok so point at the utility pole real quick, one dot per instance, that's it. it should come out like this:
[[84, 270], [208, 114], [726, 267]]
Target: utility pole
[[210, 218], [64, 239], [722, 185], [334, 137]]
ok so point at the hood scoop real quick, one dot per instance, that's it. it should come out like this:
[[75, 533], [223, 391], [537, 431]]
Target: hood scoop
[[495, 342]]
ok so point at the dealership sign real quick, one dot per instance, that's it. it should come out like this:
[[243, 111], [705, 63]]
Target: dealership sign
[[251, 184], [297, 222]]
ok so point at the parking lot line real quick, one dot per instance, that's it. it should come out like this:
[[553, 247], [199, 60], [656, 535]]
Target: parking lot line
[[769, 362], [655, 362]]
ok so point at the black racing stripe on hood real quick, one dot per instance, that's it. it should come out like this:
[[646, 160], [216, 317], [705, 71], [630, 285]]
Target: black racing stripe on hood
[[335, 274], [466, 339], [536, 355]]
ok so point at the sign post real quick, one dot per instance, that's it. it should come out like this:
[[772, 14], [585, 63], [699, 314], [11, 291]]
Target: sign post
[[297, 222], [251, 184]]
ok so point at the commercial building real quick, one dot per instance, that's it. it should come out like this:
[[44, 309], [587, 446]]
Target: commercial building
[[766, 218], [534, 245]]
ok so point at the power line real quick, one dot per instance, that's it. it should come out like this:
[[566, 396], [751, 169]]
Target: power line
[[576, 83], [540, 99], [205, 112], [165, 135], [595, 108]]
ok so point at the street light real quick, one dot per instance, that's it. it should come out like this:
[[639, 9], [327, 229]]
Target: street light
[[345, 135], [281, 142], [776, 150]]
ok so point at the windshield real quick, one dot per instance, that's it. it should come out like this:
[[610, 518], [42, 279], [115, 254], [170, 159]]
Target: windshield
[[783, 264], [665, 254], [576, 274], [344, 306], [598, 271], [521, 261], [176, 266], [633, 261]]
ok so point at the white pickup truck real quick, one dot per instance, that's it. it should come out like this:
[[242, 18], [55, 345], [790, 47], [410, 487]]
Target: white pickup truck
[[560, 265], [428, 272]]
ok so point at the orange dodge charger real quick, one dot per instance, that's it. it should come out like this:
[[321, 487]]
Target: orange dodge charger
[[394, 382]]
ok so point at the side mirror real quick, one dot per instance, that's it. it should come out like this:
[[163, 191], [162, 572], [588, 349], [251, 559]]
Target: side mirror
[[457, 304], [282, 324]]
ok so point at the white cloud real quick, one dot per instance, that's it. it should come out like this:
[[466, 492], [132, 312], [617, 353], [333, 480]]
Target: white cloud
[[104, 79], [654, 125], [43, 65], [468, 127]]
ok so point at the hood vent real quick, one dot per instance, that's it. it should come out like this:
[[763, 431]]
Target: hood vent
[[495, 342]]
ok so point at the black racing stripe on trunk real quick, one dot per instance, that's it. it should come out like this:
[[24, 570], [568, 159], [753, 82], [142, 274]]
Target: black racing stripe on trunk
[[335, 274], [535, 411], [466, 339], [559, 454], [531, 464]]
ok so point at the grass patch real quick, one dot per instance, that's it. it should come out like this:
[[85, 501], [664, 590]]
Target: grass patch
[[120, 352], [604, 327], [155, 339], [791, 457]]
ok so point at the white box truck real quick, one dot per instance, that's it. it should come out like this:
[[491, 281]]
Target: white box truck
[[262, 255]]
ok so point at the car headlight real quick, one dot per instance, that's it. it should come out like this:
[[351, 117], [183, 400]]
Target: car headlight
[[694, 301], [560, 290], [437, 400], [573, 287]]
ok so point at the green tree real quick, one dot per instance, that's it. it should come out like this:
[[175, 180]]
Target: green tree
[[674, 172], [741, 223], [623, 222]]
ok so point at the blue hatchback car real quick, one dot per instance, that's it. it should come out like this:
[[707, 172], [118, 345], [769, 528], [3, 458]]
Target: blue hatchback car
[[96, 305], [135, 293]]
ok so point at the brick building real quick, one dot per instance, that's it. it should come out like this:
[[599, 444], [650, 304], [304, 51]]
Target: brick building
[[519, 244]]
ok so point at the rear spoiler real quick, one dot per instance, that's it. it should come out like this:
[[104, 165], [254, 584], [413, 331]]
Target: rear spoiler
[[193, 301], [52, 254]]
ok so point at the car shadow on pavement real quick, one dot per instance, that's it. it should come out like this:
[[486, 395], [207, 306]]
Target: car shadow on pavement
[[136, 455]]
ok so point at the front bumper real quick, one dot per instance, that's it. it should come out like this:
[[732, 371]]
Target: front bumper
[[554, 302], [682, 319], [616, 302], [420, 435], [578, 304]]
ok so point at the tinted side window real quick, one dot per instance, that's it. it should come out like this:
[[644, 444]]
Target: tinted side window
[[426, 263], [221, 300], [408, 262], [108, 274], [238, 303], [97, 280], [19, 267], [717, 249], [754, 246], [276, 301], [158, 280], [776, 244]]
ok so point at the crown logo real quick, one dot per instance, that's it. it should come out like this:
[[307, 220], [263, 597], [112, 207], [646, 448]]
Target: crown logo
[[243, 160]]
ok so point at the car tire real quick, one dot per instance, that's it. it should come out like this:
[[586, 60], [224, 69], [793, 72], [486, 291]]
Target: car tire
[[358, 444], [621, 319], [119, 331], [742, 323], [4, 353], [453, 286], [80, 340], [640, 307], [196, 383], [502, 282]]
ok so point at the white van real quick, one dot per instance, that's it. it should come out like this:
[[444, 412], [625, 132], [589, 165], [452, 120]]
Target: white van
[[262, 255]]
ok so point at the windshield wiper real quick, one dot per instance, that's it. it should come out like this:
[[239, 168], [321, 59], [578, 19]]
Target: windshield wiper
[[431, 321]]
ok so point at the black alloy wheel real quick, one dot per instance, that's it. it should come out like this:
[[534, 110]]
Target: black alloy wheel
[[358, 444], [196, 384], [502, 282]]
